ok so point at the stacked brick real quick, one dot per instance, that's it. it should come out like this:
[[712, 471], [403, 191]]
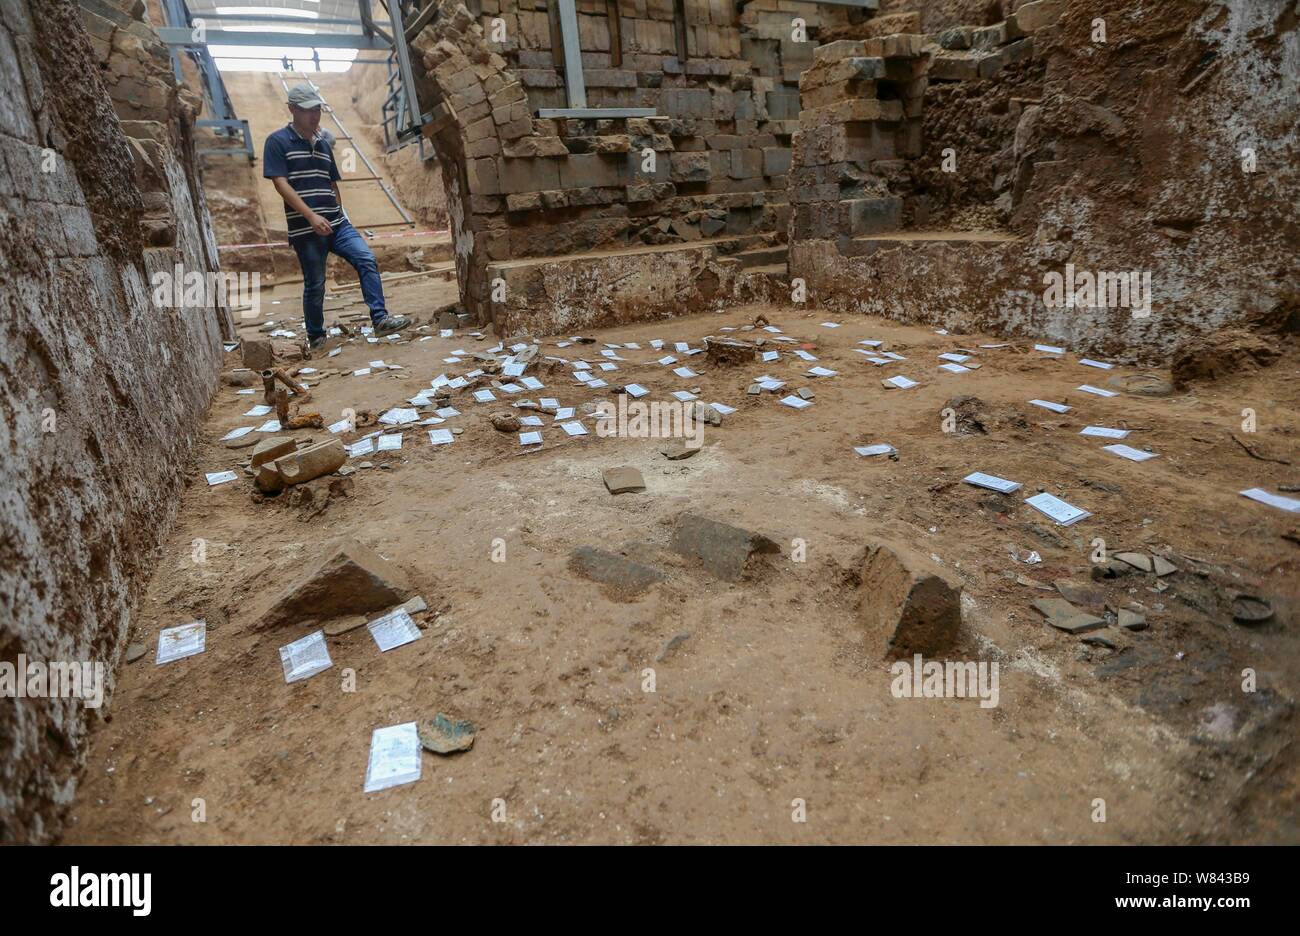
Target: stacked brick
[[970, 53], [711, 163], [861, 119], [103, 393], [157, 115]]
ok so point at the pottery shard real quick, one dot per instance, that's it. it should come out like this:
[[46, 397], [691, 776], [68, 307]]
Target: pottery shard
[[612, 569], [909, 603], [445, 735], [301, 466], [623, 480], [240, 377], [271, 449], [350, 578], [723, 549], [1064, 616], [1136, 560], [728, 352]]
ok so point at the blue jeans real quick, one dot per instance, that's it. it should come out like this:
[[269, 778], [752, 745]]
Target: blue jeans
[[313, 249]]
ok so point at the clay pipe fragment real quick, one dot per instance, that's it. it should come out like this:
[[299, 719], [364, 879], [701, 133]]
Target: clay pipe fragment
[[268, 387], [282, 405]]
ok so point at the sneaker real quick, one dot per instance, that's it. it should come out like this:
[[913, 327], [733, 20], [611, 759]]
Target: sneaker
[[315, 344], [391, 323]]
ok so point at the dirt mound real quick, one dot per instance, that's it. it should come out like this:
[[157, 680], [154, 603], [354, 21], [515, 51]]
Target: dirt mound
[[972, 416], [1227, 353]]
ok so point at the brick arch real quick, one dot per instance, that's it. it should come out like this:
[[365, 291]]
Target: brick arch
[[478, 112]]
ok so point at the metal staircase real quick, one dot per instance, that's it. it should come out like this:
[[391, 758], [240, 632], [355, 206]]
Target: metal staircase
[[401, 118]]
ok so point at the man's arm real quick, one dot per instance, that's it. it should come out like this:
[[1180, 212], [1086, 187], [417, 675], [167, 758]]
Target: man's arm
[[294, 201]]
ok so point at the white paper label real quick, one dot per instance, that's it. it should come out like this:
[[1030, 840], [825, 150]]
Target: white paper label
[[395, 629], [305, 657], [1289, 504], [1054, 407], [1063, 513], [176, 643], [394, 757], [1097, 391], [1132, 454], [992, 482]]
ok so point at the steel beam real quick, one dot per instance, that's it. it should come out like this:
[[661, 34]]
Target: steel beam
[[229, 124], [210, 15], [573, 80], [368, 24], [185, 38], [409, 102]]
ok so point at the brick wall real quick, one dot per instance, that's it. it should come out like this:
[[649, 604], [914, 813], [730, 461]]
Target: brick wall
[[711, 163], [101, 392], [1039, 115]]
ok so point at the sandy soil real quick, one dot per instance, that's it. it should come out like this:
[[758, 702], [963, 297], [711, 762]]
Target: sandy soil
[[777, 694]]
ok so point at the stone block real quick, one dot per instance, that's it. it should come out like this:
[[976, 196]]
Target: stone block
[[609, 568], [529, 175], [746, 163], [1034, 16], [909, 603], [955, 66], [724, 550], [270, 449], [776, 160], [852, 111], [532, 147], [483, 177], [840, 49], [872, 215], [591, 170], [690, 167], [350, 578], [530, 201]]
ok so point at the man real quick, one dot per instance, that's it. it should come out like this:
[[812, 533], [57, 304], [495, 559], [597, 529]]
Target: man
[[300, 163]]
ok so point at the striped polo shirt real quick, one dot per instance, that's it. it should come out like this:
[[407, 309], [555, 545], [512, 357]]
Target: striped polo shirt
[[309, 167]]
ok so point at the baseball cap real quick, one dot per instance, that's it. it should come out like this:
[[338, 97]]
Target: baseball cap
[[304, 96]]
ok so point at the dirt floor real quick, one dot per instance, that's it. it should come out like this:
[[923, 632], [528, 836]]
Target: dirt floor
[[777, 693]]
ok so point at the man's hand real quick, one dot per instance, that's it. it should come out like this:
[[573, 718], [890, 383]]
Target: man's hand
[[319, 224]]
